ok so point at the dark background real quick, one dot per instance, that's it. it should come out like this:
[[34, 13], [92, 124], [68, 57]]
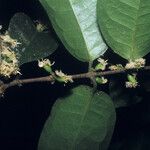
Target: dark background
[[23, 110]]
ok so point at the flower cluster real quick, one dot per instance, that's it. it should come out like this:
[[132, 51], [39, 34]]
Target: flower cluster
[[8, 58], [61, 77], [46, 64], [13, 43], [132, 81], [116, 67], [101, 65], [137, 64]]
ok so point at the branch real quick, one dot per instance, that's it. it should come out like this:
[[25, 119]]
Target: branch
[[50, 78]]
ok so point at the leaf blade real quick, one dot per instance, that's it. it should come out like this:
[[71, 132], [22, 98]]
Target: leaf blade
[[80, 34], [34, 45], [79, 121], [125, 25]]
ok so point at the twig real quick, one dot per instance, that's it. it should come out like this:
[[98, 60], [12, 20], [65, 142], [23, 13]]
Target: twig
[[50, 78]]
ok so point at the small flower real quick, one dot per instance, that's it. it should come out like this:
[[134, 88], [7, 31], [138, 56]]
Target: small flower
[[61, 77], [102, 61], [116, 67], [102, 64], [40, 27], [44, 62]]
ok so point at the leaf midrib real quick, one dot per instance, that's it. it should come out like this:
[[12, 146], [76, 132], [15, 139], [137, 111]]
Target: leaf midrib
[[134, 33], [83, 117]]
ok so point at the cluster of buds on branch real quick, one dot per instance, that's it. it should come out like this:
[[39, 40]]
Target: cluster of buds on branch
[[102, 66], [57, 75], [132, 79], [137, 64]]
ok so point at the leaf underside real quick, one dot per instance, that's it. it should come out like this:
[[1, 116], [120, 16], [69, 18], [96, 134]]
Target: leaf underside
[[125, 26], [34, 45], [75, 23], [80, 121]]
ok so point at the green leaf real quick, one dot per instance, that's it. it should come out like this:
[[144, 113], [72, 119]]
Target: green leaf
[[34, 45], [125, 26], [75, 23], [80, 121]]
